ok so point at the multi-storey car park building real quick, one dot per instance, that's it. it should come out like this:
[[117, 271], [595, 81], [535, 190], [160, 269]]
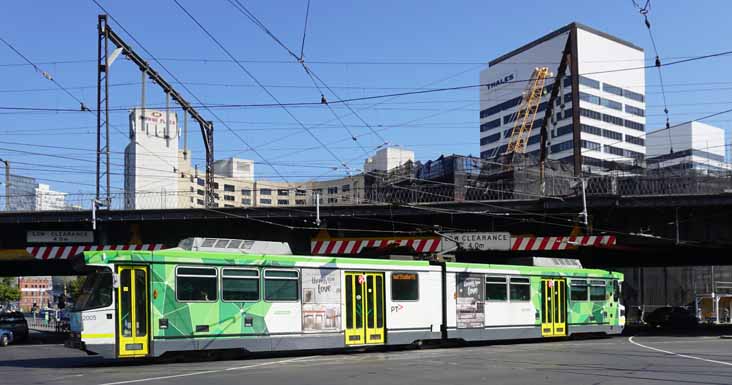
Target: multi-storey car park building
[[599, 118], [159, 175], [234, 188]]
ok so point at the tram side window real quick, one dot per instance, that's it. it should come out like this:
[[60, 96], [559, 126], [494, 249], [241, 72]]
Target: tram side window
[[520, 289], [496, 289], [404, 287], [579, 290], [281, 285], [195, 284], [597, 290], [239, 285], [616, 290]]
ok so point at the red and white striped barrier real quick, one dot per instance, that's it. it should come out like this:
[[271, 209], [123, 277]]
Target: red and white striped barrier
[[64, 252], [560, 243], [354, 246], [431, 245]]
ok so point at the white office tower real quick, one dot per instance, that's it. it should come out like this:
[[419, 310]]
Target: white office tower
[[601, 128], [387, 159], [151, 161], [689, 146], [239, 169], [47, 199]]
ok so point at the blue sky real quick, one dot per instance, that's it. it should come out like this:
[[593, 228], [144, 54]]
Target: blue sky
[[357, 48]]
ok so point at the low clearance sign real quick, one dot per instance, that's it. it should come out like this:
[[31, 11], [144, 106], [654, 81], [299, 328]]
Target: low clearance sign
[[483, 241]]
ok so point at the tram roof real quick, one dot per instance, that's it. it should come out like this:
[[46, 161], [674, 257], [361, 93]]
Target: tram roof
[[224, 258], [533, 270]]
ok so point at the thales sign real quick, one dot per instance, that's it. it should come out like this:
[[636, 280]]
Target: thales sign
[[502, 80]]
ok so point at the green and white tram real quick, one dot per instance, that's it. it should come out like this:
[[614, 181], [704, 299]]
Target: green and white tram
[[147, 303]]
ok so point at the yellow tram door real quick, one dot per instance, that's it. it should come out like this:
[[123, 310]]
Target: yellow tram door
[[364, 308], [554, 307], [132, 311], [374, 308]]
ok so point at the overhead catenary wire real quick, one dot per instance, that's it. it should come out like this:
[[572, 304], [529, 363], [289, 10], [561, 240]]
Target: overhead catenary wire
[[253, 78], [49, 167], [524, 212], [344, 87], [439, 210], [536, 221], [186, 88], [668, 128], [46, 75], [308, 71], [326, 61], [434, 125], [304, 31], [530, 220], [373, 105], [396, 94], [82, 107], [644, 10]]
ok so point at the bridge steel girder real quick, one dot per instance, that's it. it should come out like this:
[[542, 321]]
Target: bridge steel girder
[[704, 231]]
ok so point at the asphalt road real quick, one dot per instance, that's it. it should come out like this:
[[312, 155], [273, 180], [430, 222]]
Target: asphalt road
[[618, 360]]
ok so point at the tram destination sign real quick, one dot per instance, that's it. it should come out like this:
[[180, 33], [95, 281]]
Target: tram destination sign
[[483, 241]]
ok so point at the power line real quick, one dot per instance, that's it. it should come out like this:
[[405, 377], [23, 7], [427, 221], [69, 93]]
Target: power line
[[185, 87], [304, 31], [308, 71], [251, 76], [644, 12], [326, 61], [668, 128], [373, 105], [46, 75], [82, 108], [345, 87], [531, 220], [391, 95]]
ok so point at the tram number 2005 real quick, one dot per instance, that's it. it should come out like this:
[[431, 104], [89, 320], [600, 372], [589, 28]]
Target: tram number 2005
[[89, 318]]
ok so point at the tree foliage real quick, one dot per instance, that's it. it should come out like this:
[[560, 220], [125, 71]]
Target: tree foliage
[[75, 287], [8, 291]]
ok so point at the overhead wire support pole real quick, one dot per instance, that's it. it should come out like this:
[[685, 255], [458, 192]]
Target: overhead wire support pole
[[185, 134], [107, 34], [103, 193], [584, 213], [576, 127], [142, 101]]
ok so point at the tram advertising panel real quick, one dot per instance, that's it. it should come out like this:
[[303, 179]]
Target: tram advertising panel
[[321, 299], [470, 306]]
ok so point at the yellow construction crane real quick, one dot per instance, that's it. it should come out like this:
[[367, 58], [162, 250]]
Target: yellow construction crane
[[526, 113]]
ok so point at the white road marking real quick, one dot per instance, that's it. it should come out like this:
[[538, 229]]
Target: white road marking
[[630, 339], [205, 372], [67, 376]]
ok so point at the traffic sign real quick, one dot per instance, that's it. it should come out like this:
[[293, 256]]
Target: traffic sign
[[483, 241], [60, 236]]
